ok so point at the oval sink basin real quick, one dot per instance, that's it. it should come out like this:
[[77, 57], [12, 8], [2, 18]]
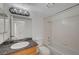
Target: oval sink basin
[[19, 45]]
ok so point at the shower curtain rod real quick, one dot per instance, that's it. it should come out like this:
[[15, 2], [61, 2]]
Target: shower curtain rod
[[67, 8]]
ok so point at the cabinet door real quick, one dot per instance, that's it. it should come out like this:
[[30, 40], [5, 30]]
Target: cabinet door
[[47, 31]]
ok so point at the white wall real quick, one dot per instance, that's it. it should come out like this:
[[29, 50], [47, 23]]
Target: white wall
[[65, 32]]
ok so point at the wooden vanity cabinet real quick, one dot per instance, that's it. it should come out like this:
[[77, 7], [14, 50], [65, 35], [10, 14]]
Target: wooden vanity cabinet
[[29, 51]]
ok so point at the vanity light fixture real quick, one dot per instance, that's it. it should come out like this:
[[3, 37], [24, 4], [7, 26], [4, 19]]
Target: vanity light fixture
[[18, 11]]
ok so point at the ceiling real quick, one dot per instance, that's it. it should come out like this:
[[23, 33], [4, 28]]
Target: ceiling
[[41, 9]]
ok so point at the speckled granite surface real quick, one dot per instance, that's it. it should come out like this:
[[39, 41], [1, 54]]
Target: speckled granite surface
[[5, 47]]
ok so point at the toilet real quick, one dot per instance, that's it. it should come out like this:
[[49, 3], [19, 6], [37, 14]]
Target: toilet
[[43, 50]]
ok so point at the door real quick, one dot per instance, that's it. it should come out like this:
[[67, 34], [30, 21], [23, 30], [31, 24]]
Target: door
[[47, 31]]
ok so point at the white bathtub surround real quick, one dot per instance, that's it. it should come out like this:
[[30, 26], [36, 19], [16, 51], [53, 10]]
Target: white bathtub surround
[[65, 32]]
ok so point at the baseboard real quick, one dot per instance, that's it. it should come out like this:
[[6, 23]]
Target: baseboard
[[54, 51], [60, 50]]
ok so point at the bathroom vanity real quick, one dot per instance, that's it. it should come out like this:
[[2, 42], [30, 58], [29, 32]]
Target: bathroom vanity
[[31, 49], [17, 27]]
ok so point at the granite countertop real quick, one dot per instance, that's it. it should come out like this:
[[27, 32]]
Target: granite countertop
[[5, 47]]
